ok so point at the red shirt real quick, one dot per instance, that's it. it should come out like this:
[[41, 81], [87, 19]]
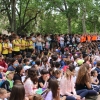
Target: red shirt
[[3, 64]]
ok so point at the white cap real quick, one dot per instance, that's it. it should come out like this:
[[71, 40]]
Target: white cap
[[26, 68]]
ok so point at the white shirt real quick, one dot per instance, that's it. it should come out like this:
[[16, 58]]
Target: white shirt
[[61, 40]]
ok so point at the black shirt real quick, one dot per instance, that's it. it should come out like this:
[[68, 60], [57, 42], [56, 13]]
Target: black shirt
[[17, 77], [81, 86], [40, 80]]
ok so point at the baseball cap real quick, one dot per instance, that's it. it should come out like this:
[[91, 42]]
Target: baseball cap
[[80, 62], [26, 68], [9, 72]]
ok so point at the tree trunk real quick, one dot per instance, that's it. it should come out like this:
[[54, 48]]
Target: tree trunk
[[13, 22], [95, 27], [69, 25], [84, 23]]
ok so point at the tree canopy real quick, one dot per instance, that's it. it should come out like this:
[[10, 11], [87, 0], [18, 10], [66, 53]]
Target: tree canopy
[[50, 16]]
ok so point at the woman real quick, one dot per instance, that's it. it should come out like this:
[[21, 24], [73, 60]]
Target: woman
[[18, 73], [83, 80], [53, 92], [30, 83], [18, 93], [68, 88]]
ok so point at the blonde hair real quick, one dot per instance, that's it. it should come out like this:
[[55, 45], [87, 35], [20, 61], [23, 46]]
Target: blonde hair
[[2, 91], [68, 73]]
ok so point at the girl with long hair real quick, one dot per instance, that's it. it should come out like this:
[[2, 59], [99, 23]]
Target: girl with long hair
[[83, 80], [67, 87], [53, 90], [18, 93], [30, 83]]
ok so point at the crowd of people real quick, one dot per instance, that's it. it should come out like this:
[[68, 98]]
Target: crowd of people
[[49, 67]]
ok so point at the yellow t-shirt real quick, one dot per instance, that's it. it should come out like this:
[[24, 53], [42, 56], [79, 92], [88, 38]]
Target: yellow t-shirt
[[0, 47], [26, 44], [5, 48], [23, 43], [31, 45], [15, 47]]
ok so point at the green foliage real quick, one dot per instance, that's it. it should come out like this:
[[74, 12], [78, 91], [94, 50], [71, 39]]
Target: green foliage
[[51, 16]]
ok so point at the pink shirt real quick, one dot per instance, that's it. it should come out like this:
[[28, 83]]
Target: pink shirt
[[67, 86], [30, 88]]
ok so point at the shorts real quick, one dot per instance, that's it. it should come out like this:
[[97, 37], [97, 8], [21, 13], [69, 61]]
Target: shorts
[[5, 55], [15, 53]]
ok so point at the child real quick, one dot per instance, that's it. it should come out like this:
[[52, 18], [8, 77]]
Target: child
[[8, 83], [1, 72], [94, 78], [95, 81], [3, 94]]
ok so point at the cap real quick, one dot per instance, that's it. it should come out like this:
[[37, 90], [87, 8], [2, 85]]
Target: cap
[[9, 72], [80, 62], [26, 68]]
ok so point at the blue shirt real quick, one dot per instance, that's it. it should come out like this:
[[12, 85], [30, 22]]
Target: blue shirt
[[11, 68]]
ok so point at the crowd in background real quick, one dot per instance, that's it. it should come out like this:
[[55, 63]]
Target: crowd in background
[[49, 67]]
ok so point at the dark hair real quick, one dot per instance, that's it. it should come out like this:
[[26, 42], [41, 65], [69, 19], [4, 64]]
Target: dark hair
[[54, 57], [17, 93], [93, 72], [53, 86], [34, 57], [13, 60], [37, 62], [44, 71], [32, 74], [98, 63], [18, 69], [46, 53], [71, 67], [26, 60], [57, 64]]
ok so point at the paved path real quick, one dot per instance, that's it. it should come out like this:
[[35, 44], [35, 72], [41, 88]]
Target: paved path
[[98, 97]]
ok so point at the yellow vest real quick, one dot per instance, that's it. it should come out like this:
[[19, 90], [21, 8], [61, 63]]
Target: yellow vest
[[23, 43], [5, 51], [31, 43], [26, 44], [0, 47], [16, 48]]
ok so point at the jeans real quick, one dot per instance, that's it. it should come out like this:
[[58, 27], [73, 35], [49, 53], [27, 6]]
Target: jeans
[[70, 98], [83, 93]]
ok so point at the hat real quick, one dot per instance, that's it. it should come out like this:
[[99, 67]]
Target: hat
[[2, 68], [80, 62], [26, 68], [9, 72]]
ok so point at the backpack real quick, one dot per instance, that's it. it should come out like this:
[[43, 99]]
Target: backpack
[[45, 92], [1, 83]]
